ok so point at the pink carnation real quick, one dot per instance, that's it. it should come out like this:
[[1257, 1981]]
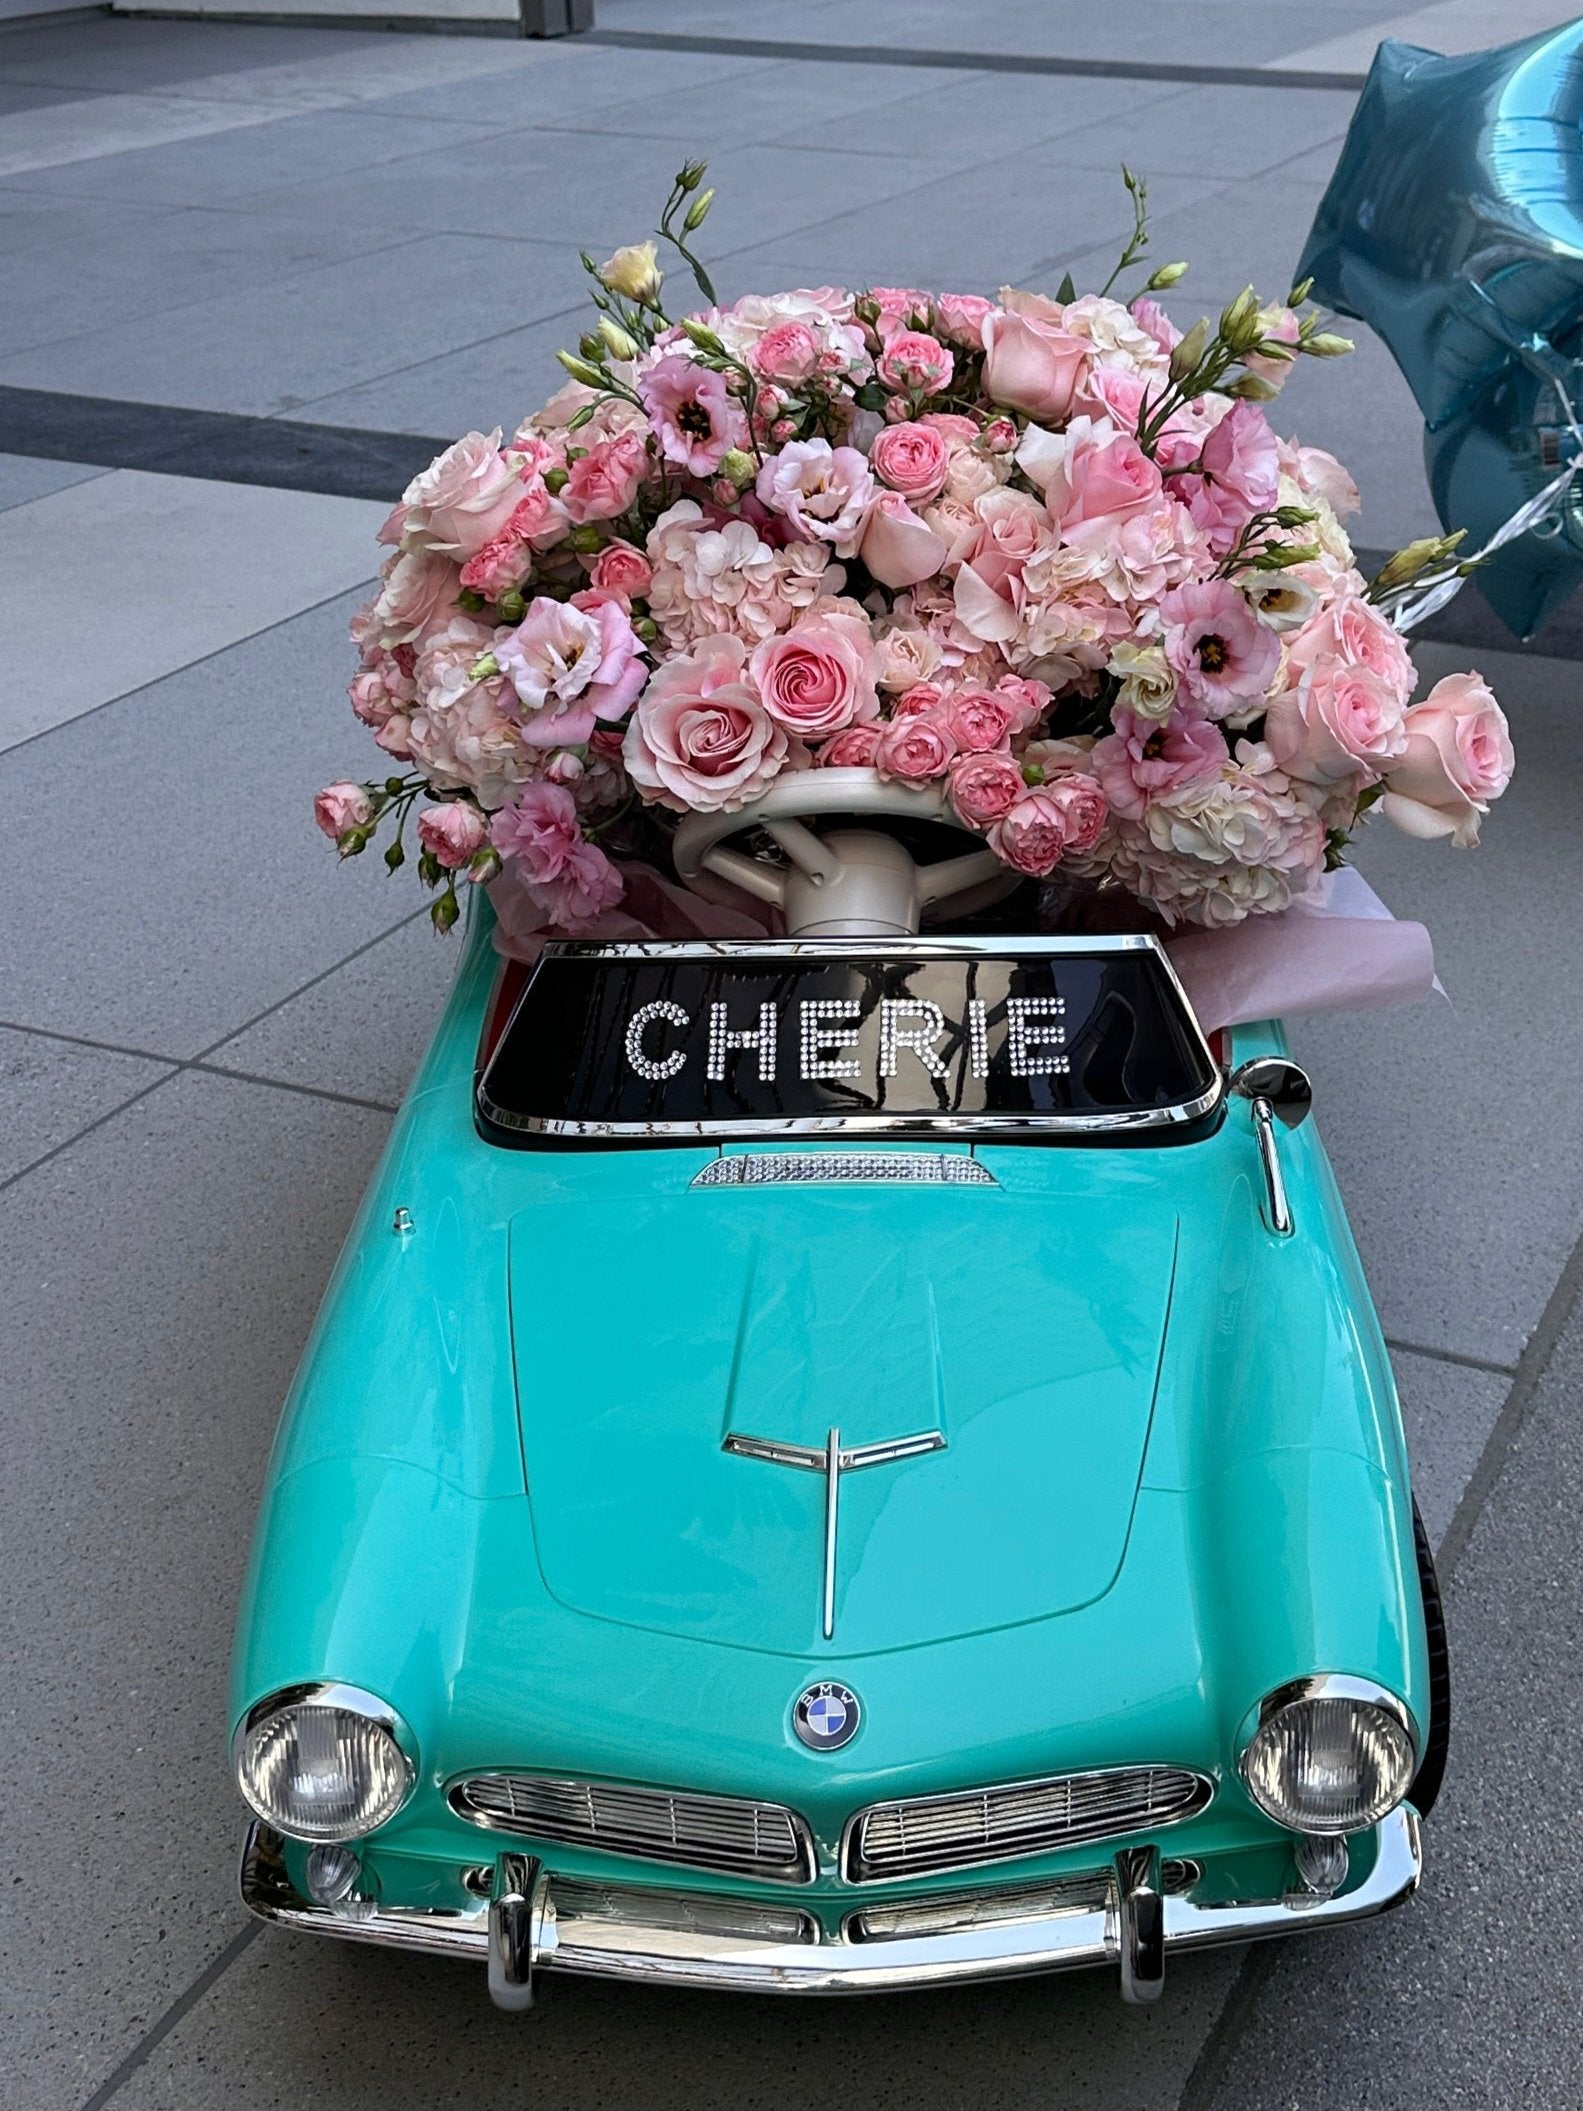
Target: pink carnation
[[606, 480], [572, 880], [621, 569]]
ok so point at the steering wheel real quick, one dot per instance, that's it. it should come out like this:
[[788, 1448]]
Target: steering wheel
[[839, 881]]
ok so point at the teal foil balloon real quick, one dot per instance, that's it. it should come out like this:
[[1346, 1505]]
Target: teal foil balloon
[[1453, 226]]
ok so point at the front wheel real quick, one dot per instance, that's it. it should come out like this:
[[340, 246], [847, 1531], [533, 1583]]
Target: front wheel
[[1432, 1767]]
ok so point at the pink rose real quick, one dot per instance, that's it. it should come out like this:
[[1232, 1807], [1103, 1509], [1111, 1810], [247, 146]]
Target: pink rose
[[1028, 698], [500, 567], [1223, 657], [418, 596], [788, 351], [1107, 479], [1032, 364], [897, 547], [621, 569], [982, 719], [1012, 528], [696, 419], [1033, 835], [452, 833], [1458, 757], [823, 492], [961, 317], [985, 787], [701, 738], [918, 701], [899, 307], [815, 679], [1351, 629], [1142, 759], [915, 749], [465, 496], [1082, 800], [1340, 725], [342, 807], [914, 362], [605, 481], [855, 749], [911, 458], [572, 667]]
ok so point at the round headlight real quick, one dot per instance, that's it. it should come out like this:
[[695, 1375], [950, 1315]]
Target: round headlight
[[322, 1763], [1330, 1756]]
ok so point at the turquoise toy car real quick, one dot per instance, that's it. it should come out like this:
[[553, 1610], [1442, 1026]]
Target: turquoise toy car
[[840, 1462]]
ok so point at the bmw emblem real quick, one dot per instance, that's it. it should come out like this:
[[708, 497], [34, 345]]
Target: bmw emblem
[[826, 1716]]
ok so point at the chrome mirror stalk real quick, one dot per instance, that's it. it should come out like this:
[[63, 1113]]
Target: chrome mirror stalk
[[1277, 1091], [1140, 1924]]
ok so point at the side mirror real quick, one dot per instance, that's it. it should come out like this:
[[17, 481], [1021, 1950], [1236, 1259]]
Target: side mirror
[[1276, 1091]]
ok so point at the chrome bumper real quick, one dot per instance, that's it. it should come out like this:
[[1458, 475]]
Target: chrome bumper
[[1134, 1933]]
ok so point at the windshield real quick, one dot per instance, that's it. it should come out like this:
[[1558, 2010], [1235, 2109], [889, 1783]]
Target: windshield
[[1028, 1038]]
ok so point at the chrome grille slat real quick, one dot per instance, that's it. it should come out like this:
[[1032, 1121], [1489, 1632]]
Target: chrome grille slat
[[737, 1837], [1016, 1819], [826, 1168]]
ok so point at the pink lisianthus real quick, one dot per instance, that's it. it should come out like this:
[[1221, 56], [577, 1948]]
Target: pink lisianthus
[[1457, 759], [696, 419], [854, 749], [339, 808], [1280, 326], [1032, 363], [700, 737], [1341, 725], [1240, 476], [915, 749], [896, 546], [822, 492], [961, 318], [816, 679], [606, 480], [620, 568], [572, 879], [453, 833], [464, 498], [1152, 319], [985, 787], [1142, 758], [572, 667], [912, 458], [1223, 657], [915, 363]]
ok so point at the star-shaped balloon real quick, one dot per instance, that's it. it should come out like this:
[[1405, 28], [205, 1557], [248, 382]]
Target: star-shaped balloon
[[1453, 226]]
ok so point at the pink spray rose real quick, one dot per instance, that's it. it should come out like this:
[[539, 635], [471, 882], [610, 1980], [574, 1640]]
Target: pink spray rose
[[340, 807], [823, 492], [815, 679], [915, 749], [914, 362], [961, 317], [571, 667], [788, 351], [983, 719], [1458, 757], [701, 737], [1035, 833], [1341, 725], [697, 420], [911, 458], [985, 787], [1032, 364], [605, 481], [572, 880], [1143, 759], [622, 569], [1223, 657], [899, 548], [452, 833], [855, 749]]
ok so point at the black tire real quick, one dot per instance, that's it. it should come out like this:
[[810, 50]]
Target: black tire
[[1432, 1767]]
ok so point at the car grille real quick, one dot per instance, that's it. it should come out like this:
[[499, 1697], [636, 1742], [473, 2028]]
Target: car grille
[[1016, 1819], [736, 1837], [1093, 1893]]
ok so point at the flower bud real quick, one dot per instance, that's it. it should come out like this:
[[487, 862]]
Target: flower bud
[[634, 273], [617, 341], [592, 347], [555, 480], [702, 336], [1417, 557], [395, 856], [1032, 773], [692, 174], [1239, 322], [697, 212], [445, 911], [483, 866], [470, 599], [585, 539], [1252, 388], [581, 370], [1167, 275], [647, 629], [1326, 344], [512, 606], [1188, 356], [484, 669], [737, 464]]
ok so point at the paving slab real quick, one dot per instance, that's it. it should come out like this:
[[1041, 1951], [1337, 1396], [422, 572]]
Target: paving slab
[[52, 1090], [181, 567], [198, 892], [1455, 1133], [952, 107], [1467, 1997], [496, 381], [160, 1277], [1212, 130], [23, 478], [113, 55], [1449, 1411]]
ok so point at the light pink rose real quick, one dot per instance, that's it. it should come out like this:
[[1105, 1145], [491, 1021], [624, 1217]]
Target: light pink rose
[[1351, 629], [621, 569], [1223, 657], [571, 667], [700, 737], [815, 679], [1012, 528], [915, 749], [914, 362], [985, 787], [1034, 834], [1029, 699], [340, 807], [823, 492], [696, 419], [911, 458], [854, 749], [788, 351], [961, 317], [1116, 393], [465, 496], [897, 547], [983, 719], [606, 480], [1241, 476], [899, 307], [452, 833], [1032, 364], [1142, 759], [1458, 757], [922, 699], [1340, 725], [1108, 477], [1082, 800], [1320, 475], [418, 596]]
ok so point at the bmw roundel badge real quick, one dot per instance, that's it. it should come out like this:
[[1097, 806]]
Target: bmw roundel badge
[[826, 1716]]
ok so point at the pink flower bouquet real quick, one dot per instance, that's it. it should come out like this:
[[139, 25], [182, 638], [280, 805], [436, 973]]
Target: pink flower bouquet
[[1046, 553]]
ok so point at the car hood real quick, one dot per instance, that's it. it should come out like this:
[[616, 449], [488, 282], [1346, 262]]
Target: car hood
[[1028, 1335]]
